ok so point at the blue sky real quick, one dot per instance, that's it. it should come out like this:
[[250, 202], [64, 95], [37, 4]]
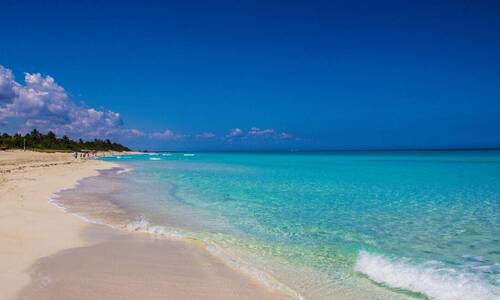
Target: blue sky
[[288, 75]]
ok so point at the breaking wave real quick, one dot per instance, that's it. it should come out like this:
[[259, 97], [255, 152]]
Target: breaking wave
[[430, 279]]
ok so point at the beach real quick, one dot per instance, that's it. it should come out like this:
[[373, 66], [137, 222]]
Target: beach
[[249, 226], [46, 253]]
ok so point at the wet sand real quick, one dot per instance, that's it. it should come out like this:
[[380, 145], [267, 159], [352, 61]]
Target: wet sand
[[136, 266]]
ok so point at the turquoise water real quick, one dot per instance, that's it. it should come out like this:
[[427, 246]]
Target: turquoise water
[[319, 225]]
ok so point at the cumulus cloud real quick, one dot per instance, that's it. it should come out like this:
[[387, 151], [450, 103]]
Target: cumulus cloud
[[167, 134], [235, 132], [256, 132], [285, 136], [42, 103], [136, 132], [7, 85]]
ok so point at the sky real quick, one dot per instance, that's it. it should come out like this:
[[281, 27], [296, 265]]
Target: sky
[[254, 75]]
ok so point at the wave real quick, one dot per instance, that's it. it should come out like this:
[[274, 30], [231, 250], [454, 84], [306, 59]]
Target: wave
[[430, 279], [143, 225], [124, 170], [154, 158], [188, 154]]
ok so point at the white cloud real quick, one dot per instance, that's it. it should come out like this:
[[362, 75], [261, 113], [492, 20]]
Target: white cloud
[[165, 135], [7, 85], [168, 135], [136, 132], [235, 132], [254, 131], [41, 102], [286, 136]]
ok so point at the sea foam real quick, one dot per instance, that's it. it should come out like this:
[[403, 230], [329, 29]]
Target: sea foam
[[143, 225], [429, 278]]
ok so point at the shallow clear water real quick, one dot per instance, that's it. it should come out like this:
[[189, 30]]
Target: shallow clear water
[[319, 225]]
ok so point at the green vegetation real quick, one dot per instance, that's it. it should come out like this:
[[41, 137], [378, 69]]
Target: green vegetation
[[35, 140]]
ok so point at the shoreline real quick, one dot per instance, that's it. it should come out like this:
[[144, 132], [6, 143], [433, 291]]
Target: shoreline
[[41, 241], [91, 191]]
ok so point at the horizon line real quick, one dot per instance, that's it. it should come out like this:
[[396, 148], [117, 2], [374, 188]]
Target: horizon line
[[457, 149]]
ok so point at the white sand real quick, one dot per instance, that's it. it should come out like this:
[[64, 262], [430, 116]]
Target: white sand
[[30, 227]]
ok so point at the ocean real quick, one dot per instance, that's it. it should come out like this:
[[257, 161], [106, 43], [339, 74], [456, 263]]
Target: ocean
[[326, 225]]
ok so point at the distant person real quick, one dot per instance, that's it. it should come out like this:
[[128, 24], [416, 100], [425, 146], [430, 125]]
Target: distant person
[[76, 155]]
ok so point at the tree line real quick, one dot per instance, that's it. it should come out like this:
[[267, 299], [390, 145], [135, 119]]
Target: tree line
[[35, 140]]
